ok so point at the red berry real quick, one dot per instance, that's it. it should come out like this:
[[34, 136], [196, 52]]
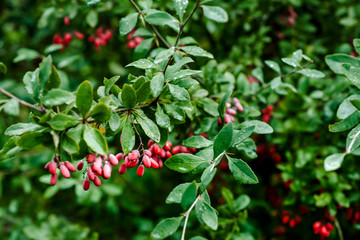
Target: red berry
[[292, 223], [57, 39], [129, 36], [146, 161], [107, 170], [154, 164], [70, 166], [86, 184], [147, 153], [140, 170], [192, 149], [99, 32], [66, 20], [91, 39], [227, 118], [150, 142], [176, 149], [67, 38], [133, 163], [90, 158], [329, 226], [162, 153], [285, 219], [131, 44], [80, 165], [107, 35], [157, 149], [324, 231], [53, 179], [46, 167], [231, 111], [64, 171], [168, 155], [316, 227], [52, 167], [91, 174], [113, 160], [120, 156], [79, 35], [122, 168], [138, 40], [97, 181], [297, 219], [184, 149], [160, 163], [167, 146]]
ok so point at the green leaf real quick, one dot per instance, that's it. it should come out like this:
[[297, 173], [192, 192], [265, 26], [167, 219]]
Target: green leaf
[[128, 96], [3, 68], [207, 214], [162, 119], [222, 105], [323, 200], [342, 199], [197, 142], [20, 128], [57, 96], [353, 139], [128, 23], [45, 72], [260, 127], [334, 161], [166, 227], [353, 74], [174, 111], [241, 202], [335, 61], [55, 80], [356, 43], [223, 139], [11, 107], [164, 55], [25, 54], [228, 196], [311, 73], [180, 7], [207, 176], [110, 83], [216, 14], [184, 162], [114, 121], [157, 84], [179, 92], [143, 92], [258, 74], [142, 64], [240, 136], [209, 106], [10, 149], [346, 124], [177, 66], [53, 48], [84, 98], [182, 74], [347, 107], [176, 194], [32, 81], [241, 171], [189, 196], [198, 238], [100, 112], [273, 65], [143, 48], [127, 137], [355, 103], [196, 51], [95, 140], [92, 18], [149, 127], [163, 19], [62, 121], [30, 140], [69, 144]]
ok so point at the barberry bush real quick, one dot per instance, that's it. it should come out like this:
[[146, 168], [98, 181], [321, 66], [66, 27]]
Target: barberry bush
[[179, 119]]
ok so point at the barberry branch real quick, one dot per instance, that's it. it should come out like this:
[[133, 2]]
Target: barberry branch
[[22, 102], [338, 227], [154, 29], [141, 143]]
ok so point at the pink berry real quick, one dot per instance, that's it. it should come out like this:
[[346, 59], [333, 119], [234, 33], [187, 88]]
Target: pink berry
[[52, 167], [154, 164], [168, 155], [113, 160], [150, 142], [80, 165], [64, 171], [70, 166], [86, 184], [79, 35], [90, 158], [147, 153], [120, 156], [97, 181], [66, 20], [91, 174], [176, 149], [140, 170], [167, 146], [53, 179], [122, 168], [107, 170], [157, 149], [146, 161], [160, 163], [163, 153], [231, 111]]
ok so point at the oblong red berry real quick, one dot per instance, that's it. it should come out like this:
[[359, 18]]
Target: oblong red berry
[[162, 153], [167, 146], [157, 149], [91, 174], [53, 179], [113, 160], [122, 168], [176, 149], [154, 164], [80, 165], [160, 163], [150, 142], [106, 173], [66, 20], [46, 167], [97, 181], [64, 171], [120, 156], [90, 158], [70, 166], [146, 161], [140, 170], [86, 184], [147, 153], [52, 167], [79, 35], [168, 155]]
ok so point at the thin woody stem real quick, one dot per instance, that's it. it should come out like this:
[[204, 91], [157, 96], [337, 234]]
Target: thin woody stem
[[22, 102]]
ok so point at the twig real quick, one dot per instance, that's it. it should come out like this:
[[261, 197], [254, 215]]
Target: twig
[[152, 26], [29, 105], [187, 214], [338, 227], [141, 143]]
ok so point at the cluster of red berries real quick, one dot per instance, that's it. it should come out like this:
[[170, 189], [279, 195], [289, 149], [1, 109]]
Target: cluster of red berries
[[133, 42], [65, 168], [323, 229], [286, 218], [267, 113], [353, 215], [289, 17], [66, 39], [101, 38], [231, 111]]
